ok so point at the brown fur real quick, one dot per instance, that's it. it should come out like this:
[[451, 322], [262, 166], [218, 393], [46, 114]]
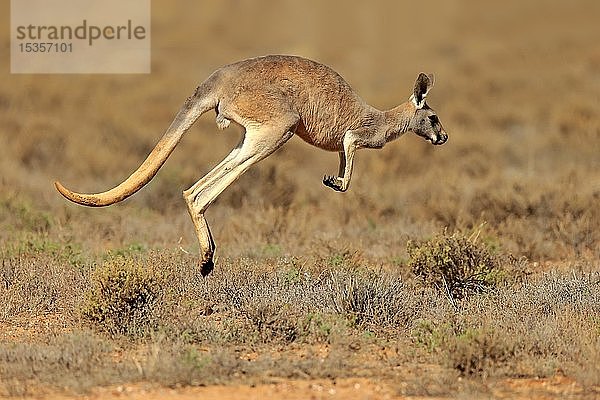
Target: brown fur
[[261, 89]]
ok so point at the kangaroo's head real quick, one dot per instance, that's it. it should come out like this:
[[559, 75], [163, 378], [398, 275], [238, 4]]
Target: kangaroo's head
[[425, 121]]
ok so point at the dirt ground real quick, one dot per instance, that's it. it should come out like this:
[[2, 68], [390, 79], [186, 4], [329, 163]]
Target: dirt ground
[[351, 389], [517, 88], [558, 387], [28, 329]]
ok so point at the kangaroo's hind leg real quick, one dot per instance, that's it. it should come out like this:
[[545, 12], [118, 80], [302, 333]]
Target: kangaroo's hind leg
[[205, 239], [258, 143]]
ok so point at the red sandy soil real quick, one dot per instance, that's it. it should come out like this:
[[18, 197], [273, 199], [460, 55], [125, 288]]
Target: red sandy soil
[[557, 387]]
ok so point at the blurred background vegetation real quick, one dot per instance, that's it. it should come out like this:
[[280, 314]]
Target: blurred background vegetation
[[517, 88]]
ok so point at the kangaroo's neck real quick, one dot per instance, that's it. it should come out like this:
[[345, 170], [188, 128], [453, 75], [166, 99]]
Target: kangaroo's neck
[[397, 121], [382, 127]]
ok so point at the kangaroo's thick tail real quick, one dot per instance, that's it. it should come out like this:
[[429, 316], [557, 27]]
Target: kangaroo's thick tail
[[195, 106]]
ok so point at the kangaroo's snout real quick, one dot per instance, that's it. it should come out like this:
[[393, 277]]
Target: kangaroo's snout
[[440, 139]]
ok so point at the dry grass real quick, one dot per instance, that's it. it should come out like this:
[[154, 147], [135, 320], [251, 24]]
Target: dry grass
[[311, 283], [255, 321]]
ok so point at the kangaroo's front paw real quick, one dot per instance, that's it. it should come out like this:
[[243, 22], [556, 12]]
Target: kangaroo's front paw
[[222, 122], [334, 182]]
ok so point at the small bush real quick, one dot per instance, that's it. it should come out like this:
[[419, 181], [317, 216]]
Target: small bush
[[430, 335], [455, 264], [274, 323], [480, 352], [124, 297]]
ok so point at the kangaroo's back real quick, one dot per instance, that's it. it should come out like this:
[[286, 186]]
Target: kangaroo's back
[[324, 101]]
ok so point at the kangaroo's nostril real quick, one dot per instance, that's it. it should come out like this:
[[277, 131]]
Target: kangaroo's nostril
[[442, 139]]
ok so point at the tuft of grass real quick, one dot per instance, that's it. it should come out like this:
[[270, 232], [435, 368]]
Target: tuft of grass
[[529, 329], [368, 297]]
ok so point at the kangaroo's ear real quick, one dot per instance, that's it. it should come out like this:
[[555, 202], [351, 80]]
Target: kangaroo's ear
[[423, 84]]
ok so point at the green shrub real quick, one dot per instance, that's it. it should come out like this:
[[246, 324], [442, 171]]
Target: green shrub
[[20, 213], [127, 251], [40, 245], [124, 297], [431, 336], [455, 264]]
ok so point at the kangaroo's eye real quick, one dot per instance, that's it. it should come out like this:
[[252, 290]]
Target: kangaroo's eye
[[434, 119]]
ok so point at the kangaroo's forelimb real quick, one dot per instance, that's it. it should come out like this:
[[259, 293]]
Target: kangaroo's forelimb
[[341, 183]]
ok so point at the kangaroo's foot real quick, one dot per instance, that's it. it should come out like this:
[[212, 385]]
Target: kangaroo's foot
[[334, 182], [205, 239], [206, 265]]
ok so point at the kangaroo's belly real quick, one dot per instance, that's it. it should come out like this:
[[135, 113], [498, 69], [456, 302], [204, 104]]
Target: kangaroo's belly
[[326, 140]]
